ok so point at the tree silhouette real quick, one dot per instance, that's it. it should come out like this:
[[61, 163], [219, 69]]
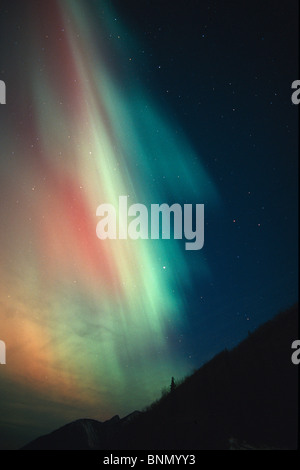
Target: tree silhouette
[[173, 385]]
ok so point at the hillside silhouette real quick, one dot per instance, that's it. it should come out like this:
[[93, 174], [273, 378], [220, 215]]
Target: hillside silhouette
[[245, 398]]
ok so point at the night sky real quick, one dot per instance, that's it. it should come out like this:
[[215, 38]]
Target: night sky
[[166, 102]]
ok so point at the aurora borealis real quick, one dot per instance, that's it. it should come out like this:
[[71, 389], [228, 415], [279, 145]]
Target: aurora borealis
[[106, 306], [97, 327]]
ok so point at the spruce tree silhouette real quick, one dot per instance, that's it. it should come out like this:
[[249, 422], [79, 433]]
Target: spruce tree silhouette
[[173, 385]]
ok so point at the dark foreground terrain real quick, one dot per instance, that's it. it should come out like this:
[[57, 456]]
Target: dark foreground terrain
[[246, 398]]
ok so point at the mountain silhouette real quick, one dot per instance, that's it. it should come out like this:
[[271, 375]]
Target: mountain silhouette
[[243, 399], [83, 434]]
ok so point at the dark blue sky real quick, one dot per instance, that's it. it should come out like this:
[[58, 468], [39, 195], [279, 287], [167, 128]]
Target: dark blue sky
[[224, 72]]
